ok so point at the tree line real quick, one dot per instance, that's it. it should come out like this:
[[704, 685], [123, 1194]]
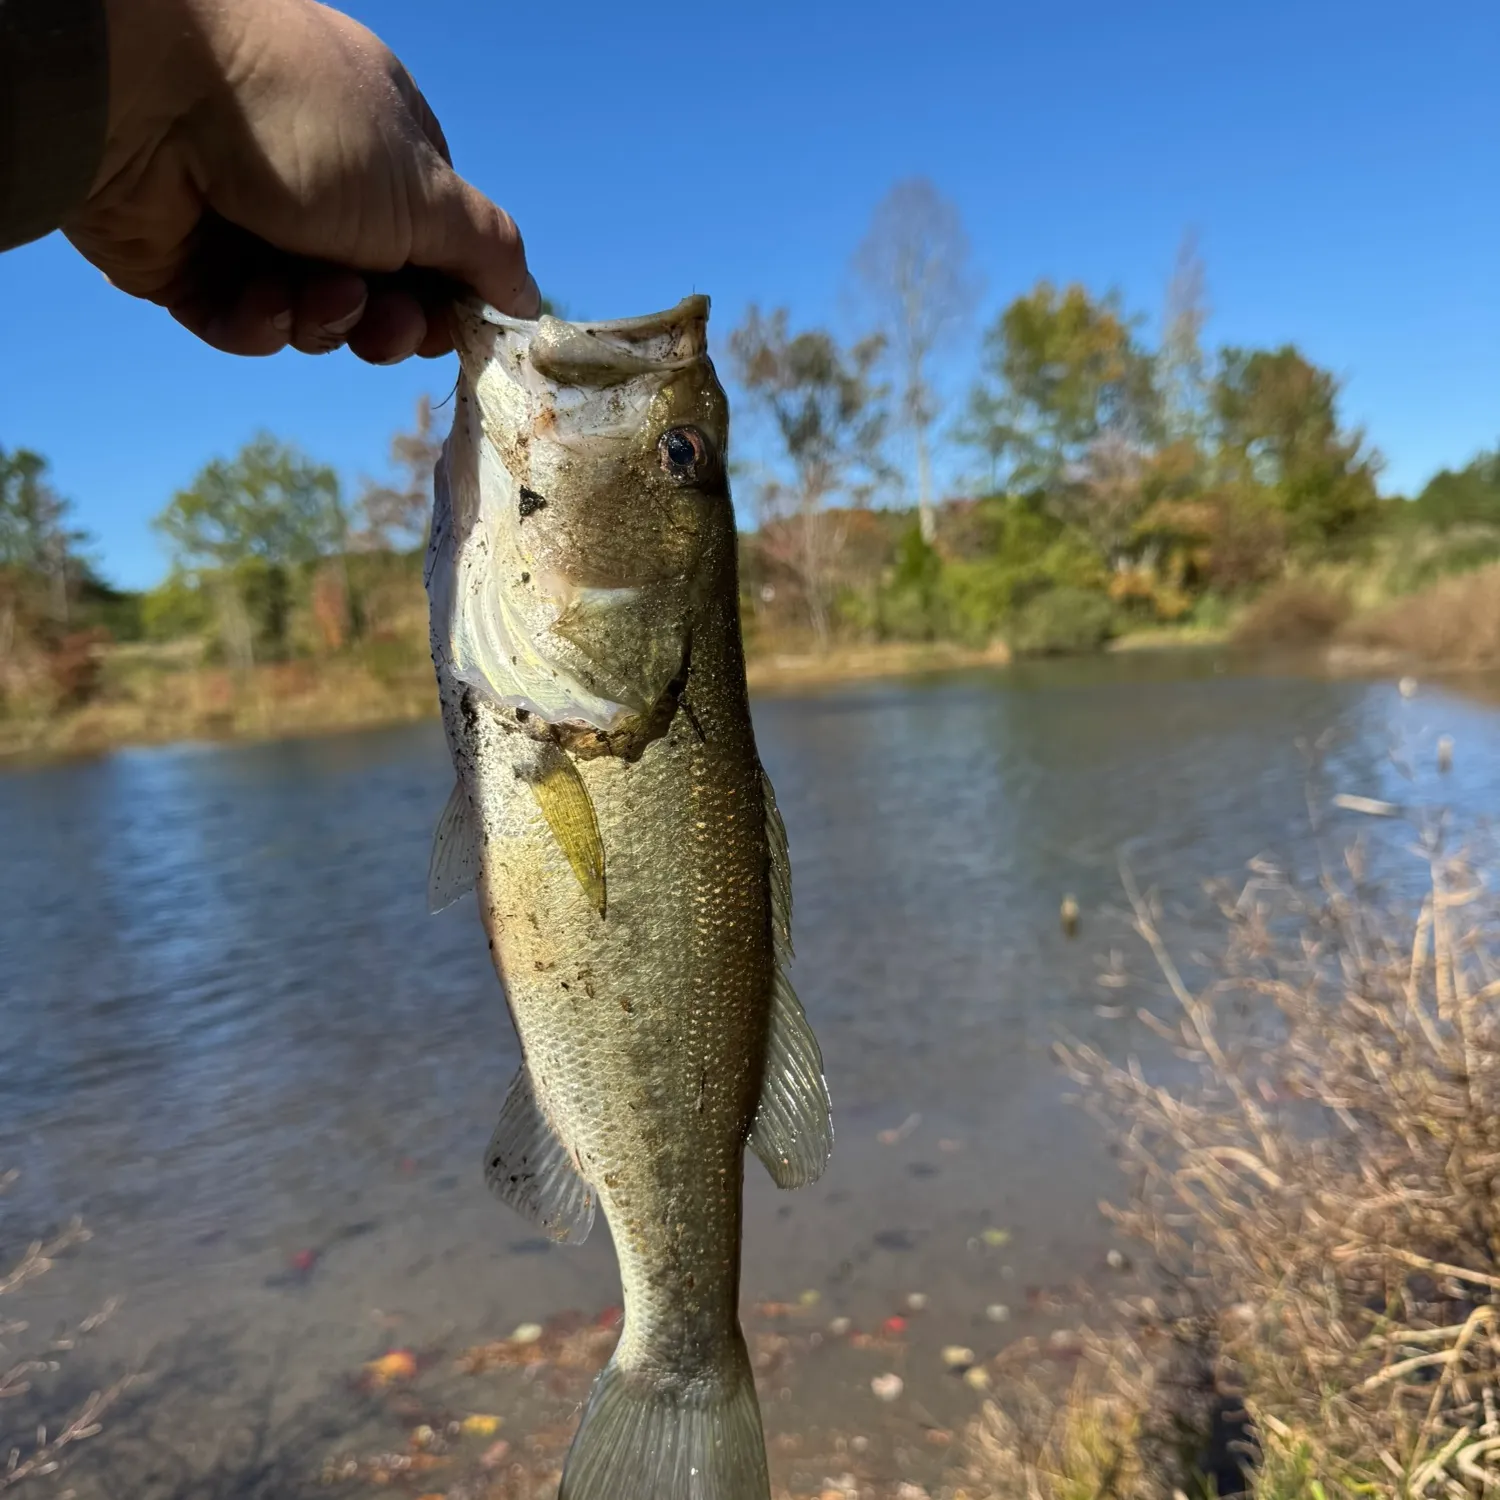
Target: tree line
[[1112, 481]]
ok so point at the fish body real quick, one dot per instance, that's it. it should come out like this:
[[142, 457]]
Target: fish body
[[612, 814]]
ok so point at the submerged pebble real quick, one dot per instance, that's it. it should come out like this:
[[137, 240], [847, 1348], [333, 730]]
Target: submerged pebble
[[887, 1387], [997, 1312]]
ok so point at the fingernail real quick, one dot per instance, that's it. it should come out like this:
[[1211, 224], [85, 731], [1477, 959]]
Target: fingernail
[[340, 326], [282, 322]]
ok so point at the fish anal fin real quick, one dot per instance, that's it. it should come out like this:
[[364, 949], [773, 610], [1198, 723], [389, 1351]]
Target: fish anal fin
[[564, 799], [453, 866], [528, 1167]]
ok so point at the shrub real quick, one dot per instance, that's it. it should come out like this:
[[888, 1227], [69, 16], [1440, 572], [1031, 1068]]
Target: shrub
[[1295, 613], [1062, 621]]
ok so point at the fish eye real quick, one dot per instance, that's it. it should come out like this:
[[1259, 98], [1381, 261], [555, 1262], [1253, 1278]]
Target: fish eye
[[684, 453]]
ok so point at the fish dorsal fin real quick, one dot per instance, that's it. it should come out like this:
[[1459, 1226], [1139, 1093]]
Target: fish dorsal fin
[[454, 864], [793, 1128], [569, 812], [528, 1167]]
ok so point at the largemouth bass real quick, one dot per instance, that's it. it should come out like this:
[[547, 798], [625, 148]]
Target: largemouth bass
[[630, 863]]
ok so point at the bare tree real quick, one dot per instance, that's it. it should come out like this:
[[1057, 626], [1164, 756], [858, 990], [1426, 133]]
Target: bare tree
[[396, 517], [1182, 369], [1103, 494], [830, 423], [914, 265]]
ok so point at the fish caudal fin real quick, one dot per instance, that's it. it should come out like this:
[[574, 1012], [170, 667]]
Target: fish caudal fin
[[641, 1440], [528, 1167]]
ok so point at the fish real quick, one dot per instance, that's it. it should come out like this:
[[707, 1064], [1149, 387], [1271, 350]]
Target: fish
[[612, 815]]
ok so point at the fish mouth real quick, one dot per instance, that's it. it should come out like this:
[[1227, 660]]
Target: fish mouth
[[594, 354]]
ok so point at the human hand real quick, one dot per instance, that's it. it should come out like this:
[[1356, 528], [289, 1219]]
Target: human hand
[[273, 176]]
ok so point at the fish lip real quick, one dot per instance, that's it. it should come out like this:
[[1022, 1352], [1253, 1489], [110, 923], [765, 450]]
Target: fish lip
[[689, 310], [587, 356]]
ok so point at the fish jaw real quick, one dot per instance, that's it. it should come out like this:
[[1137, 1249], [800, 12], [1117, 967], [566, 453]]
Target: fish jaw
[[540, 405], [491, 605]]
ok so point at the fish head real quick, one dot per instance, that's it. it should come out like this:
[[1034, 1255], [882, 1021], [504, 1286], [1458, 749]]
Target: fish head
[[583, 511]]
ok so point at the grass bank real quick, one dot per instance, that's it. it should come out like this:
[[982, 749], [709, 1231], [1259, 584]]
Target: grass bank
[[161, 694], [151, 694], [1318, 1196]]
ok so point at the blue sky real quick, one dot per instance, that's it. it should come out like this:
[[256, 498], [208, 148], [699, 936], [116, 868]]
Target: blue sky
[[1339, 162]]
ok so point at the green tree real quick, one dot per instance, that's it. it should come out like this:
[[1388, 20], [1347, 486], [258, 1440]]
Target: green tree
[[1469, 496], [38, 546], [1278, 427], [246, 525], [829, 418], [1061, 369]]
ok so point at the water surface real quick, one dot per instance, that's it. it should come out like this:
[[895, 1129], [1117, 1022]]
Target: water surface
[[234, 1036]]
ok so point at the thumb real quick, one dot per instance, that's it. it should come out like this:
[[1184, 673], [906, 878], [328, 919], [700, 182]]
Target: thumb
[[462, 234]]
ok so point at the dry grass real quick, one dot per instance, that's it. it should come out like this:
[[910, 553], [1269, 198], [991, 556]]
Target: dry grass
[[1318, 1177], [47, 1450], [794, 664], [1087, 1441], [157, 697], [1290, 615], [1455, 623]]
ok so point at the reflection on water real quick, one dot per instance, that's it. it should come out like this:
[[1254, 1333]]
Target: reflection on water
[[233, 1033]]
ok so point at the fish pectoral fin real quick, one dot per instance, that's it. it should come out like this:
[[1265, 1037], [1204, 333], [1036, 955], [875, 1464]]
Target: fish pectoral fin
[[453, 866], [793, 1128], [569, 811], [528, 1167], [646, 1435]]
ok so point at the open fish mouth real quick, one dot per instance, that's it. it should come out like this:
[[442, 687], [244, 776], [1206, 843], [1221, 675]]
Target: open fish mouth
[[589, 354]]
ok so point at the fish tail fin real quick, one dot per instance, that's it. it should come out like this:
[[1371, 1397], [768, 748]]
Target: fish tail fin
[[644, 1439]]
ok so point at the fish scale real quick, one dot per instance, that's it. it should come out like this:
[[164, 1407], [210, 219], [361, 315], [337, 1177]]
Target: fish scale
[[611, 811]]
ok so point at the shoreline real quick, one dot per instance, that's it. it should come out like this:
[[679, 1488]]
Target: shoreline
[[203, 706]]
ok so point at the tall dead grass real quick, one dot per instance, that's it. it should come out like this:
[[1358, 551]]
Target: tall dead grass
[[1291, 615], [1319, 1181], [1453, 623], [46, 1449]]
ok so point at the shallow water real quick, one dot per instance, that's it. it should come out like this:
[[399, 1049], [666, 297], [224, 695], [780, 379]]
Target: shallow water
[[240, 1048]]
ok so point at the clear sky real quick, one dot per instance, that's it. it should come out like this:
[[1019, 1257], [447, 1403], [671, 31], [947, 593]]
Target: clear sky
[[1340, 162]]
